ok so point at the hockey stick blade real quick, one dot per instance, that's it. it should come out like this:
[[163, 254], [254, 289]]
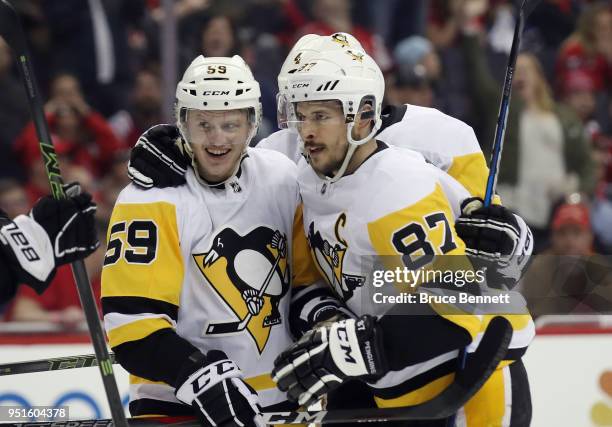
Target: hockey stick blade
[[479, 367], [56, 364]]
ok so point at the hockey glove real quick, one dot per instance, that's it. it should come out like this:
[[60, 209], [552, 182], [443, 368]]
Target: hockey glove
[[327, 356], [69, 223], [312, 305], [26, 255], [218, 393], [497, 239], [156, 159]]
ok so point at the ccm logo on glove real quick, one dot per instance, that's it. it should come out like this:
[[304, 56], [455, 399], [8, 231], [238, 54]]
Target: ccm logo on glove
[[213, 374]]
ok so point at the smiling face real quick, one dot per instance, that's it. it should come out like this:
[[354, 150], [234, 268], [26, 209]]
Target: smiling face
[[321, 124], [217, 139]]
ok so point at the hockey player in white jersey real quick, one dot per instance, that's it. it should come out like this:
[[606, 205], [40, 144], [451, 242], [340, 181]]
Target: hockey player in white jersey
[[444, 141], [364, 198], [154, 163], [195, 285]]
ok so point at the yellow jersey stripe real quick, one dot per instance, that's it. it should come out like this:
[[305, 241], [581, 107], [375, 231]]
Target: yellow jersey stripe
[[136, 330], [420, 395]]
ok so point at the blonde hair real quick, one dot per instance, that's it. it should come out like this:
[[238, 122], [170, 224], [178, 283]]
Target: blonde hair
[[542, 92], [585, 27]]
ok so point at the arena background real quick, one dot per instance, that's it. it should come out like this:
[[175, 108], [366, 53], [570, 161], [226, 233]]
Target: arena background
[[108, 70]]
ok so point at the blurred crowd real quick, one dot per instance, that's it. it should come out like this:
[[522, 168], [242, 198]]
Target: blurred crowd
[[98, 65]]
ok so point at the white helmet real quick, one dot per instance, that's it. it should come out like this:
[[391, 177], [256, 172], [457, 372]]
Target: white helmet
[[218, 83], [307, 46], [350, 76]]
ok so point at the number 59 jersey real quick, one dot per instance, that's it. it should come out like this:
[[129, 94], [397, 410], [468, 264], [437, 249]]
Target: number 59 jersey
[[212, 264]]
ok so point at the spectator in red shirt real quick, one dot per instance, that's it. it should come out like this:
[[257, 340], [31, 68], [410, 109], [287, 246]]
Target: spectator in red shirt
[[589, 48], [79, 132]]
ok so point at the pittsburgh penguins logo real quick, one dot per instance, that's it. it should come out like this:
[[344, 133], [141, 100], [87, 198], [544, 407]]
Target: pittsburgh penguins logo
[[340, 39], [297, 58], [330, 257], [357, 56], [251, 274]]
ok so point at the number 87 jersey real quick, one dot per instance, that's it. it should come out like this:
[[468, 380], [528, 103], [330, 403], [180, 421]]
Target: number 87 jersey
[[394, 205], [396, 210]]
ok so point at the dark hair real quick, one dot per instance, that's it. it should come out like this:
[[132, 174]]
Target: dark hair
[[235, 49]]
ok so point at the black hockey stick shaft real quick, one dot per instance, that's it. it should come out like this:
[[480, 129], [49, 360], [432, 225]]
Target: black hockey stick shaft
[[12, 31], [504, 106], [479, 367], [55, 364]]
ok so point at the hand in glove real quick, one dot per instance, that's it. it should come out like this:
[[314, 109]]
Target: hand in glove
[[218, 393], [157, 160], [56, 232], [69, 223], [495, 238], [327, 356]]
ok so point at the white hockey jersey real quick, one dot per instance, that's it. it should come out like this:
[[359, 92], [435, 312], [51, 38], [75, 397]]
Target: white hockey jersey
[[394, 205], [446, 142], [190, 257]]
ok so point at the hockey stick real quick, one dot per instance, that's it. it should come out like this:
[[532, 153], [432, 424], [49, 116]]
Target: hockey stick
[[56, 364], [479, 367], [504, 106], [12, 31], [239, 325]]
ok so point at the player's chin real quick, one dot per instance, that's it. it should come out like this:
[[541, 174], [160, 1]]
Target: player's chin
[[324, 165], [218, 164], [319, 160]]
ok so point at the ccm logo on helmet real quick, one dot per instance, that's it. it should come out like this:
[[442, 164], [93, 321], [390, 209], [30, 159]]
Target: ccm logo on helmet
[[299, 85], [216, 92]]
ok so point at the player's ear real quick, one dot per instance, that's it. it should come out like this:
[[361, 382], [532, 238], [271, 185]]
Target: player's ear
[[364, 120]]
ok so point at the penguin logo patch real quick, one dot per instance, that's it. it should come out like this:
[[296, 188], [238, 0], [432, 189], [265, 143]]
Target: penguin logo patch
[[329, 259], [251, 274], [341, 39]]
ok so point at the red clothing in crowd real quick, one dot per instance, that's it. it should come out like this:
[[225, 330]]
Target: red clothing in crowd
[[61, 293], [95, 156], [573, 56], [372, 44]]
